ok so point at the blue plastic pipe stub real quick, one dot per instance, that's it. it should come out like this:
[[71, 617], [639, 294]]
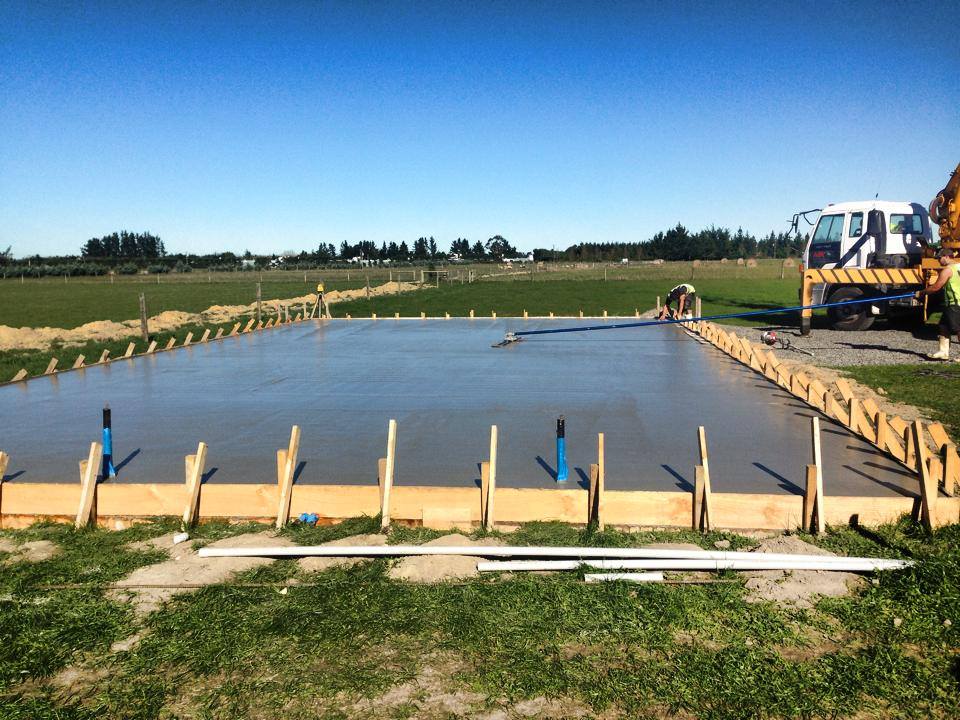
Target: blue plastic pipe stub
[[561, 449], [108, 470]]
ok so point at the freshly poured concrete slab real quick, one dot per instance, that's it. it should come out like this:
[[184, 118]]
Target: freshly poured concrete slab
[[647, 389]]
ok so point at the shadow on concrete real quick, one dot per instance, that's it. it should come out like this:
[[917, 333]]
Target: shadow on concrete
[[682, 482], [891, 486], [788, 485], [123, 463], [546, 466], [584, 481]]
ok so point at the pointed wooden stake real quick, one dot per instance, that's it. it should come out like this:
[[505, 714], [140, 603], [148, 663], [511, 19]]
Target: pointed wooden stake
[[815, 503], [702, 491], [388, 471], [285, 476], [193, 468], [491, 479], [89, 468], [928, 487]]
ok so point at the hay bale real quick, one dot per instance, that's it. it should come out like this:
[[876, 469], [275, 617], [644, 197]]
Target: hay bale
[[789, 262], [739, 261], [697, 263], [751, 262], [723, 261]]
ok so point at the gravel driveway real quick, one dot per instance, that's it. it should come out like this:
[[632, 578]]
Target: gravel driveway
[[883, 345]]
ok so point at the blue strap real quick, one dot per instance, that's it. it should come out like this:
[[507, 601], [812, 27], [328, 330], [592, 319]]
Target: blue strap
[[649, 323]]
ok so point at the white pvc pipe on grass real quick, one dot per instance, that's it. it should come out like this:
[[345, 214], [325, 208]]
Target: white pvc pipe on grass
[[849, 565], [585, 553]]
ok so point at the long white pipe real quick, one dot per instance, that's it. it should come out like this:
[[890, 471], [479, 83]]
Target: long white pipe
[[507, 551], [627, 577], [849, 565]]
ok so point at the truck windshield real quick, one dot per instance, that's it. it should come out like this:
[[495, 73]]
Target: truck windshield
[[829, 229]]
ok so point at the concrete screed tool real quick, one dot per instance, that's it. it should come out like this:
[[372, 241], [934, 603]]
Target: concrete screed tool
[[514, 337]]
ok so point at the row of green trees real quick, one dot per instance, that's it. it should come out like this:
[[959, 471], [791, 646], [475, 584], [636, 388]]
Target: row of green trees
[[125, 245], [678, 243], [130, 253]]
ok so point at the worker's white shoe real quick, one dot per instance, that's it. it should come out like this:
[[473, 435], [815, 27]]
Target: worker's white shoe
[[944, 352]]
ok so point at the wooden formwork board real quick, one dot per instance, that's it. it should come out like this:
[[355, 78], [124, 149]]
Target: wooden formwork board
[[417, 504]]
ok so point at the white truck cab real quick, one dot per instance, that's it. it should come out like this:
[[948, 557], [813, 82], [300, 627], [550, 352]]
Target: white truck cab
[[871, 234]]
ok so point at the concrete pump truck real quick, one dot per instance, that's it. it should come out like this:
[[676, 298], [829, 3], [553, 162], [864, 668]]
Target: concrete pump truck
[[875, 248]]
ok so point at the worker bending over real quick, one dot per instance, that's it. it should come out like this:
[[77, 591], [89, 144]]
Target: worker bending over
[[684, 295], [949, 280]]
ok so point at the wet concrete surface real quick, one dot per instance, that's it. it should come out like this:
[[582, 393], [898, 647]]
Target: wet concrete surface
[[647, 389]]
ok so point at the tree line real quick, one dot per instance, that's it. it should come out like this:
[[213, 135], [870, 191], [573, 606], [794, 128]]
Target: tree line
[[678, 243], [125, 245], [130, 253]]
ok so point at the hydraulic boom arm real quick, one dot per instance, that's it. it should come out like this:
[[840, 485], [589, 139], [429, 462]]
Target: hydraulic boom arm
[[945, 211]]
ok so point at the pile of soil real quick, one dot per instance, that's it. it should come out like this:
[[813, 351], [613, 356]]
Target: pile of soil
[[797, 588], [26, 338]]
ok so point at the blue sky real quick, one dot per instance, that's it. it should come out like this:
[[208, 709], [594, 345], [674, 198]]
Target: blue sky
[[277, 126]]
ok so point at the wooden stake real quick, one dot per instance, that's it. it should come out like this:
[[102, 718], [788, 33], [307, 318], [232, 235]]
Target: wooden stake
[[248, 326], [130, 348], [928, 487], [78, 363], [702, 491], [219, 334], [484, 490], [170, 343], [144, 333], [601, 481], [89, 469], [205, 336], [188, 339], [193, 467], [104, 356], [151, 347], [810, 499], [818, 500], [51, 367], [285, 477], [21, 375], [492, 479], [388, 471]]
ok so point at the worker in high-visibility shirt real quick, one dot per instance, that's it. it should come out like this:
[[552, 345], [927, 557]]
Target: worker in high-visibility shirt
[[948, 279], [683, 294]]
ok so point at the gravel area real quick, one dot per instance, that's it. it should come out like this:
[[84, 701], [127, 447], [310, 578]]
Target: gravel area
[[882, 345]]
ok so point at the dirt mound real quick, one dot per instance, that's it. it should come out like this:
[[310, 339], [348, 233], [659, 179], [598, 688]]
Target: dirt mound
[[26, 338], [318, 564], [185, 567], [437, 568], [797, 588]]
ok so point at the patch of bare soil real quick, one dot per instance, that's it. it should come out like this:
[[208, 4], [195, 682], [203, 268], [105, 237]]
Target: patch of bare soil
[[797, 588], [185, 567], [32, 551], [318, 564], [438, 568]]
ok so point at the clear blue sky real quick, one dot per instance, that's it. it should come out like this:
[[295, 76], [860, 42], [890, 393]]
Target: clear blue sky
[[277, 126]]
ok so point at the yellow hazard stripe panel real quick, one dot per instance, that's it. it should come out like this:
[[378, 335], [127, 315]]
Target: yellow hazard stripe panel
[[890, 276]]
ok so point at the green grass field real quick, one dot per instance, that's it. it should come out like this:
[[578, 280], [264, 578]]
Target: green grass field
[[347, 635]]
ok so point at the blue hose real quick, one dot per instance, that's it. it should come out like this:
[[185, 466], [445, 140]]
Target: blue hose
[[675, 321]]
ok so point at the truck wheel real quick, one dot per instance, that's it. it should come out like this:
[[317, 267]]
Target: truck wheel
[[849, 317]]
